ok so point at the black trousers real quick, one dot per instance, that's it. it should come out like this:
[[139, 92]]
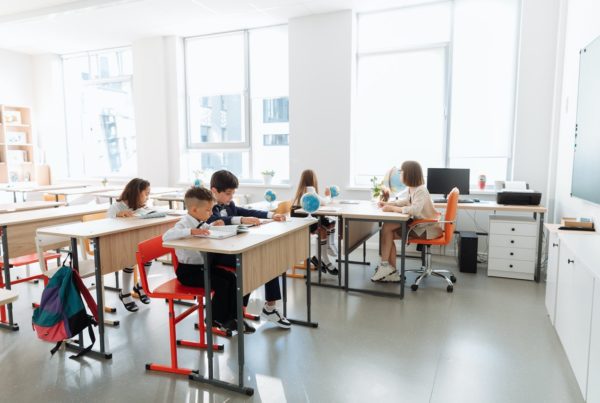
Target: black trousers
[[222, 283], [272, 288]]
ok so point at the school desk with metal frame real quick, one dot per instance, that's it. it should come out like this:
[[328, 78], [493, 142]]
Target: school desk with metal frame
[[19, 231], [112, 195], [115, 243], [263, 253], [88, 190], [28, 206]]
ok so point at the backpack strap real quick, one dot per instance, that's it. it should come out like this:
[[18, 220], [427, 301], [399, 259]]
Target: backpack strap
[[88, 348], [86, 294]]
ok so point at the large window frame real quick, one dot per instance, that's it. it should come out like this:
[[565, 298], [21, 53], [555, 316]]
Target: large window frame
[[247, 145]]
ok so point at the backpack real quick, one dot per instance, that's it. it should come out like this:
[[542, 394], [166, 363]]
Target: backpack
[[61, 314]]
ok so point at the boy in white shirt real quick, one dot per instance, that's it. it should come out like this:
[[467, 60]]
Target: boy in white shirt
[[190, 271]]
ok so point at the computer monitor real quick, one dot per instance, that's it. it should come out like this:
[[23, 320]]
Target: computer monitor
[[442, 180]]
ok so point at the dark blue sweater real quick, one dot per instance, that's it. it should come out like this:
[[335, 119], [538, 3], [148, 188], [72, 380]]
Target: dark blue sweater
[[226, 212]]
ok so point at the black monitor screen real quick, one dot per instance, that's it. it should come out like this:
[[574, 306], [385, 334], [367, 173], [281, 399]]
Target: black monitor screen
[[442, 180]]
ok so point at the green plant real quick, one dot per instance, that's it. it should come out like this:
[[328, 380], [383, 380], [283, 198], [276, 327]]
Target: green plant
[[268, 172], [376, 186]]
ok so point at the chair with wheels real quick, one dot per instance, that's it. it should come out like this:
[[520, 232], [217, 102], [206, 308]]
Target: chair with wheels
[[449, 223]]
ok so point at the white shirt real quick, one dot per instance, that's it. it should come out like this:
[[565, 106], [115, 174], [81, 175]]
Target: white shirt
[[324, 200], [183, 229], [119, 206]]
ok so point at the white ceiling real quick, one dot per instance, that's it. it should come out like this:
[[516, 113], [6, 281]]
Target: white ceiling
[[59, 26]]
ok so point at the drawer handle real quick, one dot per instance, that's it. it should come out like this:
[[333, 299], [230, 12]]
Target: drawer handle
[[512, 229], [512, 254], [510, 265], [512, 241], [569, 261], [554, 244]]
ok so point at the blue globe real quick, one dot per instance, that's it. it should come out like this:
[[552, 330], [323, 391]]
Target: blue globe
[[310, 202], [270, 196], [393, 180], [335, 191], [198, 183]]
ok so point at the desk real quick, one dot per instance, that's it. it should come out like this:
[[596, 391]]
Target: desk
[[115, 243], [492, 206], [169, 197], [111, 195], [367, 217], [80, 191], [19, 231], [263, 253], [27, 206], [33, 188]]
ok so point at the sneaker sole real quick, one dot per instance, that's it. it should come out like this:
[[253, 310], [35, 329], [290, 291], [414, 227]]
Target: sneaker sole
[[379, 279]]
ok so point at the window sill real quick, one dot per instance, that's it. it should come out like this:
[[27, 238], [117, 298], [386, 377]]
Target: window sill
[[265, 186], [472, 191]]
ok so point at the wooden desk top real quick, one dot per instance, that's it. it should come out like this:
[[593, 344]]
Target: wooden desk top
[[24, 217], [364, 209], [40, 188], [493, 206], [242, 242], [82, 190], [175, 196], [28, 205], [103, 227], [153, 192]]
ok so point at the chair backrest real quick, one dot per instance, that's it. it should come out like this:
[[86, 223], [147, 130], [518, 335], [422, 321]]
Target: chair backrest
[[450, 217], [284, 207], [46, 242], [91, 217], [149, 250]]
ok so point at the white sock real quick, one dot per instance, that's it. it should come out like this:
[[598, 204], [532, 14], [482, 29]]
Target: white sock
[[325, 256], [383, 263], [270, 308], [331, 246], [127, 284]]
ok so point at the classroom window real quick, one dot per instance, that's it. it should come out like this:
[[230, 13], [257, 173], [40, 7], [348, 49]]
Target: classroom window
[[99, 113], [276, 140], [402, 66], [237, 87], [409, 61]]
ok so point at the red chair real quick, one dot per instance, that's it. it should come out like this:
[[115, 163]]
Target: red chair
[[449, 225], [171, 290]]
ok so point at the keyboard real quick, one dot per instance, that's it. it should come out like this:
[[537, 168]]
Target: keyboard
[[466, 201], [459, 200]]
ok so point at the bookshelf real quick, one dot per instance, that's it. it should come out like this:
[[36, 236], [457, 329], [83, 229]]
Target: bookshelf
[[16, 145]]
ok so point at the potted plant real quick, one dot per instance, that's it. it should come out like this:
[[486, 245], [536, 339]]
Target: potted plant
[[377, 188], [268, 176], [198, 175]]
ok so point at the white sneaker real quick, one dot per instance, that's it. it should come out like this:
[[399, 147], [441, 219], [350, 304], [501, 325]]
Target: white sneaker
[[274, 316], [392, 278], [383, 271]]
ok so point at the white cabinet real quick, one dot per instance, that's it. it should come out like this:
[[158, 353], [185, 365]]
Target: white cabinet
[[552, 274], [574, 300], [512, 247], [593, 392]]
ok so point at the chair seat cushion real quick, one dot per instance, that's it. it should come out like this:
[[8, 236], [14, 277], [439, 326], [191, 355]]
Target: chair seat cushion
[[174, 289], [435, 241], [30, 259]]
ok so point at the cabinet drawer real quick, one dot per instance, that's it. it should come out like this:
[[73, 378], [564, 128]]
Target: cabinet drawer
[[513, 228], [515, 266], [511, 253], [513, 241]]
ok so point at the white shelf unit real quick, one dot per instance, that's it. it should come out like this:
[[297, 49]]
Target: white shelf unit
[[512, 247], [16, 145]]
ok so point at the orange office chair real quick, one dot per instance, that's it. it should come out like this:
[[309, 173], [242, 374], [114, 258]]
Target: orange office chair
[[152, 249], [449, 225]]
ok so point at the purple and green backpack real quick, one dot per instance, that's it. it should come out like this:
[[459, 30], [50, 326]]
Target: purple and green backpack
[[61, 314]]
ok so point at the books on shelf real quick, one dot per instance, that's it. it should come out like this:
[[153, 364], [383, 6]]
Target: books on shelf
[[577, 223]]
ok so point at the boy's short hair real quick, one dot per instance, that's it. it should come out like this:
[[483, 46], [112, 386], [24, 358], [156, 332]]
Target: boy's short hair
[[197, 194], [223, 180]]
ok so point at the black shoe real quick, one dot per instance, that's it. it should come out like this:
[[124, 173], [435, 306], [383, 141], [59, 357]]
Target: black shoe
[[331, 269], [231, 325], [317, 264], [140, 292], [130, 306]]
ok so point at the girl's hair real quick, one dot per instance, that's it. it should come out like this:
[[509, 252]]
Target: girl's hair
[[412, 174], [131, 193], [307, 178]]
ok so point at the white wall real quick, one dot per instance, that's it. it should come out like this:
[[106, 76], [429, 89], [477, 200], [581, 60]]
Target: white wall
[[16, 87], [534, 95], [581, 28], [49, 113], [150, 79]]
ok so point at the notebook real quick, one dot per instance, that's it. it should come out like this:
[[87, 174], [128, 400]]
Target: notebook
[[221, 232], [262, 221]]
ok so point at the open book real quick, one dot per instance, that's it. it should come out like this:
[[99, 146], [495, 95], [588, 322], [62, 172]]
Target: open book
[[146, 213], [262, 221], [220, 232]]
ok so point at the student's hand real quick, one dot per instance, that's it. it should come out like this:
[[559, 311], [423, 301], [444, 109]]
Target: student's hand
[[279, 217], [126, 213], [382, 203], [218, 223], [389, 209], [327, 191], [199, 231], [250, 220]]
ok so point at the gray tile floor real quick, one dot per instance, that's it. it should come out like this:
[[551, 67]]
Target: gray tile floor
[[489, 341]]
